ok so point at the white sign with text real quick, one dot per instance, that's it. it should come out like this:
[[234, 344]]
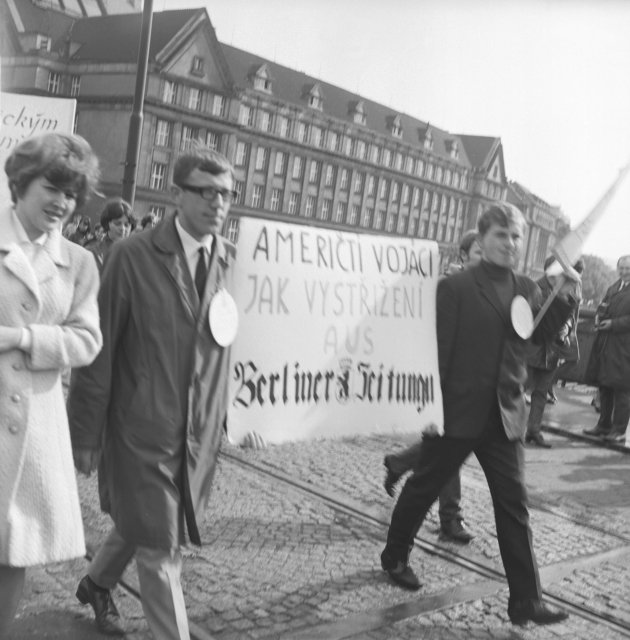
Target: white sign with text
[[337, 334]]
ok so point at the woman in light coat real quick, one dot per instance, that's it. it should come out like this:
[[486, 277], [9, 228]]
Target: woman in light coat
[[48, 323]]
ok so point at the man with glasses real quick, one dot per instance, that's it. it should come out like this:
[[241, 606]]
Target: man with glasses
[[151, 409]]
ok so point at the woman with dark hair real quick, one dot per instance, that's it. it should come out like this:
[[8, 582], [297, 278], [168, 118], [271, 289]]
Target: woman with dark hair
[[48, 323], [117, 222]]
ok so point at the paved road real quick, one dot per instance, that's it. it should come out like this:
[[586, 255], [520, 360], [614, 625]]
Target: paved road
[[294, 535]]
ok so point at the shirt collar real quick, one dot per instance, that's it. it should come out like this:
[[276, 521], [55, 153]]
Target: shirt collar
[[191, 245], [21, 234]]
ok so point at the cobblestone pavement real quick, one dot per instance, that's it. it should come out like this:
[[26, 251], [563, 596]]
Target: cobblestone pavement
[[286, 563]]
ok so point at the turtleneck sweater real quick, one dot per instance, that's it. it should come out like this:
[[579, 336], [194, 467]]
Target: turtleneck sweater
[[503, 282]]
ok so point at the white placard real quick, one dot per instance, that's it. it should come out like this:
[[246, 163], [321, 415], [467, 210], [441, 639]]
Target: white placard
[[23, 116], [337, 334]]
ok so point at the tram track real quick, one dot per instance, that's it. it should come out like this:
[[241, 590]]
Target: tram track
[[489, 574]]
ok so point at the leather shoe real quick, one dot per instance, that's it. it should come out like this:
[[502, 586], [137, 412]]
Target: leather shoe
[[456, 531], [538, 440], [534, 611], [391, 477], [400, 572], [108, 620], [595, 431], [615, 436]]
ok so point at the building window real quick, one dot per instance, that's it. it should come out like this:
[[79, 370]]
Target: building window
[[371, 186], [355, 212], [317, 136], [384, 189], [361, 150], [283, 127], [169, 92], [416, 198], [239, 187], [194, 99], [54, 82], [265, 121], [213, 140], [413, 223], [398, 161], [374, 153], [242, 151], [378, 221], [163, 132], [276, 199], [313, 175], [189, 135], [345, 177], [429, 175], [262, 84], [309, 206], [396, 127], [43, 43], [258, 192], [438, 174], [386, 158], [294, 203], [75, 86], [280, 163], [261, 159], [218, 106], [157, 211], [347, 145], [158, 176], [298, 167], [395, 191], [196, 68], [366, 221], [402, 224], [246, 116], [329, 177], [340, 212], [406, 194], [233, 227], [391, 222], [358, 182], [302, 132], [410, 165], [420, 168], [326, 208]]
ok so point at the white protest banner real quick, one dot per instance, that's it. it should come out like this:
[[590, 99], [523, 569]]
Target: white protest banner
[[336, 335], [23, 116]]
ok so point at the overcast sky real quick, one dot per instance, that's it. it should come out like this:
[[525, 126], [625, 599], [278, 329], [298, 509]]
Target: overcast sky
[[551, 78]]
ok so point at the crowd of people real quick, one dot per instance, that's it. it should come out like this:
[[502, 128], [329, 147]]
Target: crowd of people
[[149, 350]]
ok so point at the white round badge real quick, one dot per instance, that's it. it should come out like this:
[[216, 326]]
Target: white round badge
[[522, 317], [223, 318]]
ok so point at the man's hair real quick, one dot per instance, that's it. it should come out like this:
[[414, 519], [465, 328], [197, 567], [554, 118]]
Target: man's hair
[[204, 159], [622, 259], [147, 221], [65, 160], [468, 239], [501, 213], [113, 210]]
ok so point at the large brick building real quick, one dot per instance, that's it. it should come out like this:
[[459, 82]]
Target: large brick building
[[304, 150]]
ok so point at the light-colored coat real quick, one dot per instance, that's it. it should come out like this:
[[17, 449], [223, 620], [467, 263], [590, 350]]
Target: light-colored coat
[[40, 515], [155, 399]]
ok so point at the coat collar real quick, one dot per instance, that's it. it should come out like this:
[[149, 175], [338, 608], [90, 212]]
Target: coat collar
[[487, 290]]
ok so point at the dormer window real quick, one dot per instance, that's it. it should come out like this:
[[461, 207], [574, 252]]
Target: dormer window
[[314, 96], [452, 146], [357, 111], [261, 79], [426, 138], [196, 67], [43, 43], [394, 126]]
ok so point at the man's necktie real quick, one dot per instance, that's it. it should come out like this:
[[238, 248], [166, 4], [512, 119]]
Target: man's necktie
[[201, 272]]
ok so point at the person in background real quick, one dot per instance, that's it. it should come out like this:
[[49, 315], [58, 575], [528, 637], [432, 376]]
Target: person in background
[[148, 222], [543, 360], [83, 233], [48, 322], [452, 526], [152, 406], [116, 221], [482, 375], [609, 363]]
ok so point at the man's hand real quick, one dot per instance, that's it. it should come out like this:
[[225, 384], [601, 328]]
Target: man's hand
[[604, 325], [85, 460]]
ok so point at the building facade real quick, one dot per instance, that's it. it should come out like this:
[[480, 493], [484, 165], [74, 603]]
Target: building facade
[[304, 150]]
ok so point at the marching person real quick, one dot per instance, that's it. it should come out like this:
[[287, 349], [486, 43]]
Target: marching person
[[154, 402], [482, 374], [609, 363], [116, 221], [48, 322], [452, 525]]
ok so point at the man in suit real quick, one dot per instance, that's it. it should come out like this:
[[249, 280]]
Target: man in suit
[[153, 403], [609, 363], [482, 375]]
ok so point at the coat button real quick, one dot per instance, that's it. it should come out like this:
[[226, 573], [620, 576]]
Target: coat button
[[13, 428], [16, 397], [27, 306]]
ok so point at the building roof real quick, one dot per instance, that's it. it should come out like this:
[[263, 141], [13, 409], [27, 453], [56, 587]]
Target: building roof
[[479, 148]]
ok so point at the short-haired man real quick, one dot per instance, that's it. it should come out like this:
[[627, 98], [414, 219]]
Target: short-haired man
[[482, 374], [452, 526], [609, 363], [153, 403]]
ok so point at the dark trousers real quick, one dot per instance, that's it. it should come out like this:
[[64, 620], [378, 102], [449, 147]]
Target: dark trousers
[[503, 464], [614, 410], [450, 496], [539, 383]]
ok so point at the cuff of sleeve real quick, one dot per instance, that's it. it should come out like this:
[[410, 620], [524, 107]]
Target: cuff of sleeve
[[26, 340]]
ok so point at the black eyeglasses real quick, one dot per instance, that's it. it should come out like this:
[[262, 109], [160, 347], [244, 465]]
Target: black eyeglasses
[[210, 193]]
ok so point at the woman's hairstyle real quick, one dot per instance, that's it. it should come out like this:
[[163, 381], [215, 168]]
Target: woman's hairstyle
[[114, 209], [65, 160], [501, 213]]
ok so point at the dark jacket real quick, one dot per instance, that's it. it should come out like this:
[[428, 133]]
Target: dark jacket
[[609, 362], [481, 358], [156, 396]]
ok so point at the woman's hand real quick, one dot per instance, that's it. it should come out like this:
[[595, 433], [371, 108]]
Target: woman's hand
[[9, 338], [85, 460]]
